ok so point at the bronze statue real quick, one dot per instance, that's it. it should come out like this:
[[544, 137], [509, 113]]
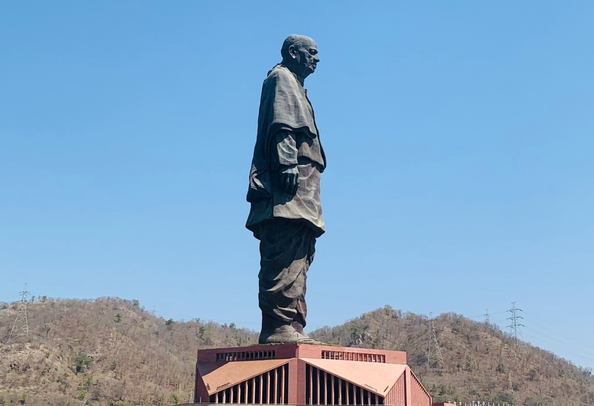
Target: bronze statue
[[284, 192]]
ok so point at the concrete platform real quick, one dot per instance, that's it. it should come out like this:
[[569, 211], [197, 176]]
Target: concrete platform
[[305, 374]]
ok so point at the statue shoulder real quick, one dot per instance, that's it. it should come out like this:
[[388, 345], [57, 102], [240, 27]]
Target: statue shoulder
[[281, 75]]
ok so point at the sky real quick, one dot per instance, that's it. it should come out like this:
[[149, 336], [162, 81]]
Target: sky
[[459, 139]]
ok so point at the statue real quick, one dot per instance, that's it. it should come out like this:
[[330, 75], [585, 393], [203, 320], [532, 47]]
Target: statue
[[284, 192]]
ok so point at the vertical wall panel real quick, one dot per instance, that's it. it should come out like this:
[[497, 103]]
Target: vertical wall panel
[[273, 387], [397, 395], [268, 388], [317, 401], [418, 395], [324, 388], [258, 390], [283, 383], [348, 393], [333, 391], [311, 385]]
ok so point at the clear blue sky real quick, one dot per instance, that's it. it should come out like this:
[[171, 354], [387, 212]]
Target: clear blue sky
[[459, 138]]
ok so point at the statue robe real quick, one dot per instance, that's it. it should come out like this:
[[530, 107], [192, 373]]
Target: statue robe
[[287, 135]]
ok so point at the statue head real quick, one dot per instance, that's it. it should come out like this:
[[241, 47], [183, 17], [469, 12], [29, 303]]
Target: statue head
[[300, 55]]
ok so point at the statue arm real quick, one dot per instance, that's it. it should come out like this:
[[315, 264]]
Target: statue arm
[[284, 160]]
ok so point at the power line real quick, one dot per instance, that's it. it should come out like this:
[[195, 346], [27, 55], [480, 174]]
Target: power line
[[565, 349], [10, 299], [480, 316], [21, 324], [557, 331], [573, 346]]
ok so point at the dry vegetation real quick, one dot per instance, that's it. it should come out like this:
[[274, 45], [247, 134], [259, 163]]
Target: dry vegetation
[[103, 352], [113, 352], [479, 361]]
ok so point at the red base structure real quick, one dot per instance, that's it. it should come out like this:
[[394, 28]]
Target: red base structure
[[305, 374]]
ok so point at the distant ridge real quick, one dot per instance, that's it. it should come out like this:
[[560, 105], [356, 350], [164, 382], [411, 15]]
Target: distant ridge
[[462, 360], [111, 351]]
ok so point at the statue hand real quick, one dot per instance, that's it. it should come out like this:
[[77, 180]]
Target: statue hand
[[289, 179]]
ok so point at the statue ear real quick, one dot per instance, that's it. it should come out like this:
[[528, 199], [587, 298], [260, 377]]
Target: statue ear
[[293, 51]]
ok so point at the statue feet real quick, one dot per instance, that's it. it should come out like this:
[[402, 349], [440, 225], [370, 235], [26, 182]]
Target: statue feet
[[275, 332], [285, 334]]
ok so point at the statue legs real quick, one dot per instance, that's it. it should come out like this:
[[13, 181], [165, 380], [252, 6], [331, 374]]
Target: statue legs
[[287, 249]]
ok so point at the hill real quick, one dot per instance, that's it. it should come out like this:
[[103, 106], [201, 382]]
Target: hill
[[461, 360], [102, 352], [113, 352]]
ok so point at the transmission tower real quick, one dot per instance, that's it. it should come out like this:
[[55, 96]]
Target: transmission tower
[[429, 352], [21, 325], [435, 344], [515, 324], [510, 384], [487, 321]]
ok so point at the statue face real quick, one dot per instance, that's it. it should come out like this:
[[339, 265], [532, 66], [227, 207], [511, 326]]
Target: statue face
[[306, 57]]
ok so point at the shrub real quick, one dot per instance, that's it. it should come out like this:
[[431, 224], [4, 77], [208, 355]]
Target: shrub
[[83, 362]]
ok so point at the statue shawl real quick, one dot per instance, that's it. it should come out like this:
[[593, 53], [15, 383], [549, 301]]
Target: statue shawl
[[283, 106]]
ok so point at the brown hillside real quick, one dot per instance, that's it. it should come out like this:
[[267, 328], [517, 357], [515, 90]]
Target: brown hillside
[[478, 361], [102, 352], [112, 351]]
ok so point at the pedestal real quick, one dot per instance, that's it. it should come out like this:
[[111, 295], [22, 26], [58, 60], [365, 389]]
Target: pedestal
[[305, 374]]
